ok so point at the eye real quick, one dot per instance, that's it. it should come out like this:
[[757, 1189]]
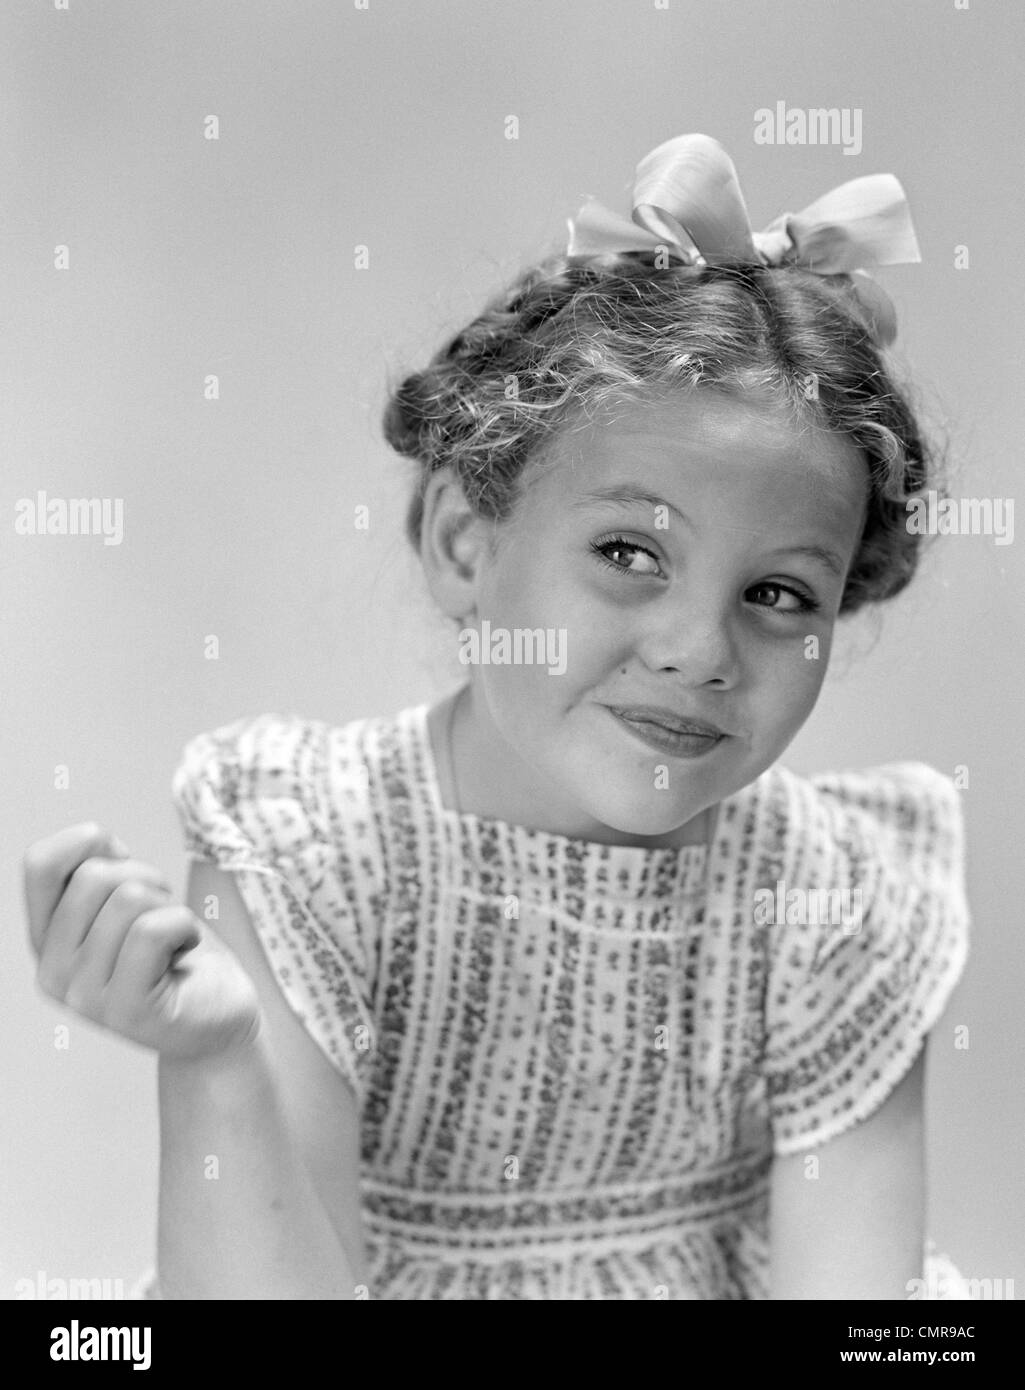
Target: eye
[[618, 545], [802, 602]]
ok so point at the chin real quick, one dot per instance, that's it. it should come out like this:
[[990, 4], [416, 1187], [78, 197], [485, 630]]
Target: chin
[[641, 819]]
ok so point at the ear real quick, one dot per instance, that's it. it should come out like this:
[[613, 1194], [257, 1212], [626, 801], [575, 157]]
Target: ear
[[455, 545]]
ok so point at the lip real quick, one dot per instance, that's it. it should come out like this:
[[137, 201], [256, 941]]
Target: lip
[[668, 732], [668, 719]]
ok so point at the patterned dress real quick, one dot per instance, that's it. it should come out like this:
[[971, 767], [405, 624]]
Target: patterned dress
[[575, 1061]]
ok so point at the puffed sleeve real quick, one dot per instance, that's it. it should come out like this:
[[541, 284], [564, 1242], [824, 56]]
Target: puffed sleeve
[[853, 990], [281, 803]]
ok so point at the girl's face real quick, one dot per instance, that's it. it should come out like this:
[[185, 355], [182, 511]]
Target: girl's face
[[686, 560]]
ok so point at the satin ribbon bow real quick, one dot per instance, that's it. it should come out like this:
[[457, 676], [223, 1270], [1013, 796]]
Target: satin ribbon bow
[[687, 201]]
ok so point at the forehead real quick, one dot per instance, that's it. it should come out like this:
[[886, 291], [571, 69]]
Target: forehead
[[703, 451]]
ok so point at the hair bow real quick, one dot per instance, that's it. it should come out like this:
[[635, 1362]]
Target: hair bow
[[687, 202]]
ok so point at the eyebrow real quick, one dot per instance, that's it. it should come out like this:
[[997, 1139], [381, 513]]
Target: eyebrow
[[829, 558], [628, 496], [632, 496]]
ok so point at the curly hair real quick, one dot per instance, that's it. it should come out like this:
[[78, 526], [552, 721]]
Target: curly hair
[[571, 334]]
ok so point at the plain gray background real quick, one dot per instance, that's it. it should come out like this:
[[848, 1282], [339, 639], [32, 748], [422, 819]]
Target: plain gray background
[[386, 127]]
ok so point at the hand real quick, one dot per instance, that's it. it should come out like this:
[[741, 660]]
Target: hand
[[114, 946]]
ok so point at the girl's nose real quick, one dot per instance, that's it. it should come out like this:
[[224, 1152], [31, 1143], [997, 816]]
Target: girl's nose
[[695, 641]]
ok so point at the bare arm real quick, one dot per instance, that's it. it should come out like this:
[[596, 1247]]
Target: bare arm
[[854, 1230], [278, 1126]]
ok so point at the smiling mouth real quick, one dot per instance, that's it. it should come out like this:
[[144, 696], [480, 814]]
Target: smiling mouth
[[681, 738]]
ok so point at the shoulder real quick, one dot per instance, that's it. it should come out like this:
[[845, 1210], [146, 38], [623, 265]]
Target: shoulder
[[233, 777], [912, 803], [867, 934], [279, 781], [291, 808], [901, 818]]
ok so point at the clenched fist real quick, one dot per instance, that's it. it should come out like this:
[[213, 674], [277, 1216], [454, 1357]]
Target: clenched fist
[[114, 946]]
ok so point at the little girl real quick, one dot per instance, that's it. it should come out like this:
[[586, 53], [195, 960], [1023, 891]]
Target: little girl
[[563, 987]]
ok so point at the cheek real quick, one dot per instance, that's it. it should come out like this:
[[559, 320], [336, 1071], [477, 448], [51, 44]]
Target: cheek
[[545, 586], [791, 680], [525, 589]]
